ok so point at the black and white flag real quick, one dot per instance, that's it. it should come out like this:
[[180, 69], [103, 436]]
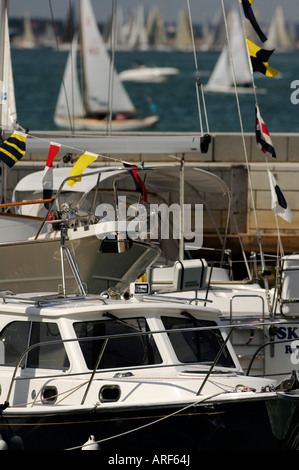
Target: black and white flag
[[278, 203]]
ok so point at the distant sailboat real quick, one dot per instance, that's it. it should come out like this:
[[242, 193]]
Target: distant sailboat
[[138, 36], [27, 41], [278, 36], [104, 101], [183, 40], [221, 79], [156, 30]]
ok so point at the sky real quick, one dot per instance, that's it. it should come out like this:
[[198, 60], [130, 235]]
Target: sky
[[200, 9]]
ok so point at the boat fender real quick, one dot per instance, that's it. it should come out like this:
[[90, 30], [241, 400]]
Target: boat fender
[[3, 445], [91, 444]]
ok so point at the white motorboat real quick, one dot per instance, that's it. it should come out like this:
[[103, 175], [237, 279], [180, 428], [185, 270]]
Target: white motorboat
[[104, 104], [142, 73], [132, 373], [208, 274]]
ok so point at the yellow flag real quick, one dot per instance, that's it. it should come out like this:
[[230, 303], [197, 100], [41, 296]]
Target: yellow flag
[[259, 60], [86, 159]]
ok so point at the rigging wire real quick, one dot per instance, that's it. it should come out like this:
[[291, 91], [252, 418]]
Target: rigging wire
[[111, 70], [60, 64], [198, 80]]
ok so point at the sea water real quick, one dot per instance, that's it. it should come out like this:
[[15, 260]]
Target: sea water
[[38, 74]]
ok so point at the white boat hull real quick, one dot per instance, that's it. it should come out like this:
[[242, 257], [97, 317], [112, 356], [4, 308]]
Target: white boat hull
[[232, 90], [91, 124], [148, 74]]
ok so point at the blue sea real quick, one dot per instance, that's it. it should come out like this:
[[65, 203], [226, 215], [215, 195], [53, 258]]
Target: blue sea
[[37, 77]]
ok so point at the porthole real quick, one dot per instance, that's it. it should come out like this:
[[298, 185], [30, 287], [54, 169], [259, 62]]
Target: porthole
[[49, 395], [109, 393]]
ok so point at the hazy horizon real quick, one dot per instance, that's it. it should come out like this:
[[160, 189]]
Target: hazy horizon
[[201, 10]]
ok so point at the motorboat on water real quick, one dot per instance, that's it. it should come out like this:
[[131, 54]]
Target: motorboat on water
[[153, 74]]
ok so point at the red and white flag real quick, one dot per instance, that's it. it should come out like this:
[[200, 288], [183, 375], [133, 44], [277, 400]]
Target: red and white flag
[[263, 139], [48, 172]]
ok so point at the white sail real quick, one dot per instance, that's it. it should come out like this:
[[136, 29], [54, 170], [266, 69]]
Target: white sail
[[138, 35], [278, 37], [69, 101], [155, 29], [221, 78], [183, 40], [101, 103], [97, 69], [7, 91]]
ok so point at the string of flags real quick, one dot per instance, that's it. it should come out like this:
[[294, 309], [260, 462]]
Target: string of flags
[[259, 59], [14, 148]]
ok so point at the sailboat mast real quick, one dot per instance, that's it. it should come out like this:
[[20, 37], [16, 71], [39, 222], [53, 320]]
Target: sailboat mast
[[3, 14], [82, 61]]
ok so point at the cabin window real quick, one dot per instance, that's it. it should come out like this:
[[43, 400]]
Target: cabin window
[[128, 351], [196, 346], [16, 337]]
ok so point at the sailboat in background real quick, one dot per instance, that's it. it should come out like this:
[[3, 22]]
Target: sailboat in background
[[138, 37], [27, 41], [221, 79], [104, 102], [183, 40], [278, 36]]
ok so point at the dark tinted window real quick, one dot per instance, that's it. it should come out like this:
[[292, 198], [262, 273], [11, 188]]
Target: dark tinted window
[[196, 345], [123, 351], [16, 337]]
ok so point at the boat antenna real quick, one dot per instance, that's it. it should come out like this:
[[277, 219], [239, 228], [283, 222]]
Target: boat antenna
[[264, 272], [198, 83]]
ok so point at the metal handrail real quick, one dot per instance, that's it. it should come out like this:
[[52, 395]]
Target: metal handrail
[[145, 333], [246, 295], [106, 338]]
